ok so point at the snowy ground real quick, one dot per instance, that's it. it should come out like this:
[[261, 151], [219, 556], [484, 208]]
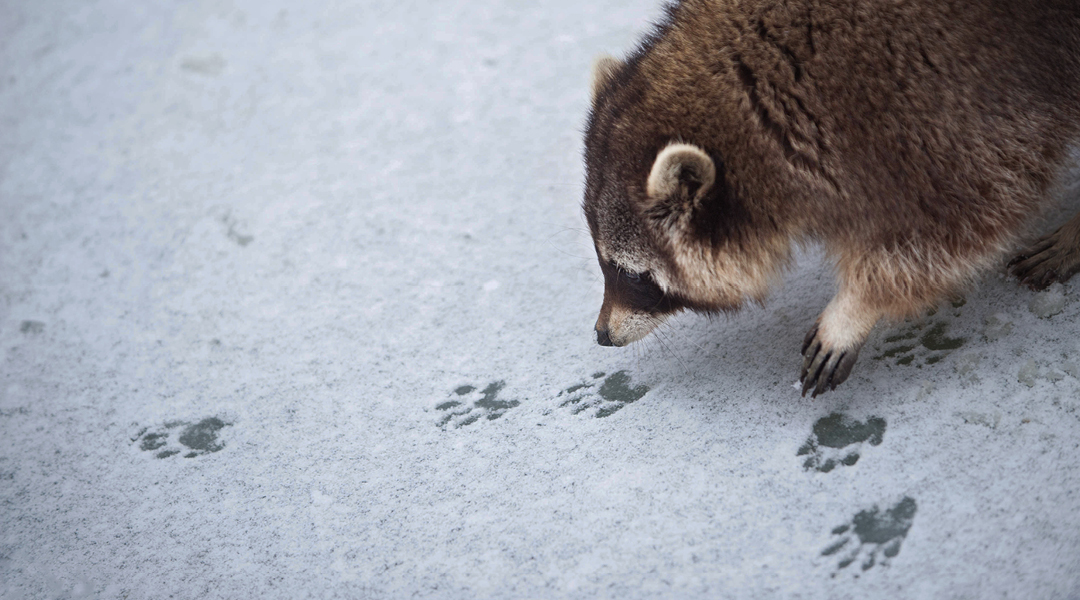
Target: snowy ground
[[296, 301]]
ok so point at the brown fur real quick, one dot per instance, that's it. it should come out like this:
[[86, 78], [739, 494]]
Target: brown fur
[[913, 139]]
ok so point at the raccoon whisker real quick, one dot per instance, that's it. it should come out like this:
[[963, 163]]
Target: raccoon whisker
[[563, 229], [586, 258], [652, 341], [568, 253], [671, 328], [666, 329], [660, 337], [658, 329]]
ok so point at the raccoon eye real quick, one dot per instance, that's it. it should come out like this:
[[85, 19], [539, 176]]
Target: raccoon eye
[[633, 277]]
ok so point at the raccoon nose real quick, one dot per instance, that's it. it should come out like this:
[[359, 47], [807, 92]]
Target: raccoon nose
[[602, 336]]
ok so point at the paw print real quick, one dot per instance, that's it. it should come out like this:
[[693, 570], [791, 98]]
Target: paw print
[[469, 406], [234, 233], [195, 439], [874, 533], [614, 394], [31, 327], [918, 345], [837, 439]]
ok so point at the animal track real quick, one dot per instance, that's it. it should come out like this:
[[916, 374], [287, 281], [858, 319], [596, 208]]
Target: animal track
[[31, 327], [195, 439], [915, 346], [837, 439], [460, 412], [467, 405], [877, 533], [233, 233], [614, 394]]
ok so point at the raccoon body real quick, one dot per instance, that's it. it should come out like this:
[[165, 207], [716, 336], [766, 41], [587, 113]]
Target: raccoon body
[[914, 140]]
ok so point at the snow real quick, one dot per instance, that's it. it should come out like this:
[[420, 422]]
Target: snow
[[296, 301], [1049, 302]]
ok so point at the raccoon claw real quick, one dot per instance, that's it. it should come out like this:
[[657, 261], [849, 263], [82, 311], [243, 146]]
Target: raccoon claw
[[1046, 261], [824, 369], [1037, 248]]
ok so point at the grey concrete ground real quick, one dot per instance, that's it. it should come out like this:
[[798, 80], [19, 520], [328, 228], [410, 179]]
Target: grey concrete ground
[[296, 301]]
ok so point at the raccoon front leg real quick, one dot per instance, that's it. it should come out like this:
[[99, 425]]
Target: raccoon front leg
[[1055, 257], [833, 343]]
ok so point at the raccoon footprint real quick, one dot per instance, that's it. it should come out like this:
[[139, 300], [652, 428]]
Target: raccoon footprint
[[614, 394], [873, 534], [31, 327], [915, 346], [837, 440], [469, 406], [195, 439], [242, 239]]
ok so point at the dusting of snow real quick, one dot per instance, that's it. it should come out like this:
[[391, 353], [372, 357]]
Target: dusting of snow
[[1049, 302], [297, 302]]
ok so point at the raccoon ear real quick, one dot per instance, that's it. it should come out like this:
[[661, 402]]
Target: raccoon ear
[[604, 69], [681, 172]]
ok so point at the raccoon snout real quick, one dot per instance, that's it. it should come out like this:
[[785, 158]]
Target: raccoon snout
[[622, 330], [603, 337]]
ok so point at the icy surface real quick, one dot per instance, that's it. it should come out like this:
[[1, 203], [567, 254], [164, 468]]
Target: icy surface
[[296, 301]]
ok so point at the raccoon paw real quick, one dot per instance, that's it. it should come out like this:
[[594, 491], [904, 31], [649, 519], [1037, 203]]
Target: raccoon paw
[[824, 367], [1055, 257]]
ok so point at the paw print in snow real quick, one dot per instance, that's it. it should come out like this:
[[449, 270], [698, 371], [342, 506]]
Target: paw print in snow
[[614, 394], [470, 406], [31, 327], [912, 345], [872, 533], [195, 439], [234, 233], [837, 439]]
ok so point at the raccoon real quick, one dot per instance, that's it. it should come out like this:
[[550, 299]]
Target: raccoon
[[914, 140]]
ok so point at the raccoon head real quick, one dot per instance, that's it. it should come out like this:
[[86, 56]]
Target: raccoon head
[[665, 222], [633, 236]]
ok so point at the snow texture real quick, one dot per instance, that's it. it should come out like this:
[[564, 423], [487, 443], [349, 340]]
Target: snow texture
[[296, 301]]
